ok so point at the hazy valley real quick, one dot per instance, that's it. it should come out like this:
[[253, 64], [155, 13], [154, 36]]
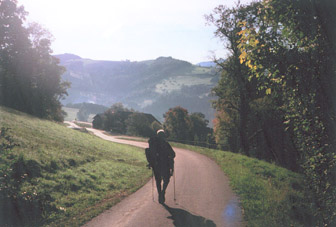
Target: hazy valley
[[151, 86]]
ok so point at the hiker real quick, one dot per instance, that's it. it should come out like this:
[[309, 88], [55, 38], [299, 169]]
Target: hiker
[[160, 156]]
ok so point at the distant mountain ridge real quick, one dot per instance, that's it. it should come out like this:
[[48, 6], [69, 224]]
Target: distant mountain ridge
[[67, 57], [211, 63], [151, 86], [207, 64]]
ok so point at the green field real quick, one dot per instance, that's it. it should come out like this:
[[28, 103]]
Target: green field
[[71, 113], [59, 176]]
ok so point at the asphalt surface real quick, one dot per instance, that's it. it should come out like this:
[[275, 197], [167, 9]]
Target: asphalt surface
[[202, 192]]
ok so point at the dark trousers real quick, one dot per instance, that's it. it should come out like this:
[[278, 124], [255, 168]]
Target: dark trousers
[[159, 177]]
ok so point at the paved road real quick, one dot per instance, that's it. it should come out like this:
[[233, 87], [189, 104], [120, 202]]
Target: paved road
[[203, 197], [71, 124]]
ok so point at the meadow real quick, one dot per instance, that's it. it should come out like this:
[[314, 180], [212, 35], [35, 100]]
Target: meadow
[[58, 176]]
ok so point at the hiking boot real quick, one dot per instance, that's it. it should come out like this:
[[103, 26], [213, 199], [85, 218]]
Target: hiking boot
[[161, 198]]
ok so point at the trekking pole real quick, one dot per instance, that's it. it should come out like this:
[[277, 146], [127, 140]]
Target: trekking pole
[[153, 185], [174, 186]]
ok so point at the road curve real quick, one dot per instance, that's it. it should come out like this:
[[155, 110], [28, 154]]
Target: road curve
[[71, 124], [202, 192]]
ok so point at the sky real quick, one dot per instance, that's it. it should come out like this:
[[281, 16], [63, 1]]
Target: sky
[[132, 30]]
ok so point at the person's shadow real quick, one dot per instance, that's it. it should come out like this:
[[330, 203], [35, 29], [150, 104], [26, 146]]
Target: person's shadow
[[183, 218]]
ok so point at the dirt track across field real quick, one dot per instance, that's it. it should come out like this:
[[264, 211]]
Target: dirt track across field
[[203, 196]]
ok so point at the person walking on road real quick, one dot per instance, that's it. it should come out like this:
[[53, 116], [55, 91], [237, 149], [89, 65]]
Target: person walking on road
[[160, 156]]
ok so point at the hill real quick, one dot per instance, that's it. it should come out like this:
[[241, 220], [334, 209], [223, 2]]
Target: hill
[[151, 86], [58, 176]]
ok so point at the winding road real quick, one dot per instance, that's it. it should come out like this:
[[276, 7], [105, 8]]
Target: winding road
[[203, 196]]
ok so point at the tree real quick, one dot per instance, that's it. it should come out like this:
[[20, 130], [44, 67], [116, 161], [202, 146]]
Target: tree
[[139, 125], [99, 121], [30, 78], [82, 115], [199, 129], [117, 107], [85, 109], [233, 102], [289, 46], [227, 124], [249, 116], [119, 119], [115, 118], [185, 128], [177, 124]]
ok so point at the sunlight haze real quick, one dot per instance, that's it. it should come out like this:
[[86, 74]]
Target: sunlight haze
[[129, 29]]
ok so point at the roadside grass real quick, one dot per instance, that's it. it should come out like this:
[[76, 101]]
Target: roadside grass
[[269, 195], [138, 139], [62, 177]]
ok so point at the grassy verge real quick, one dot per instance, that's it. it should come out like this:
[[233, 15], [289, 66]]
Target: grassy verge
[[59, 176], [269, 195], [138, 139]]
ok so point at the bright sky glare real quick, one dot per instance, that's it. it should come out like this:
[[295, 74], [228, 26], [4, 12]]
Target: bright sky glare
[[130, 29]]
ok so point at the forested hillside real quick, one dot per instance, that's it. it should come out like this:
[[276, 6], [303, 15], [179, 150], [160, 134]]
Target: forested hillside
[[151, 86]]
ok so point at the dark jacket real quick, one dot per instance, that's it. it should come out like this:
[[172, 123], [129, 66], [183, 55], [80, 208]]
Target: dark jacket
[[160, 155]]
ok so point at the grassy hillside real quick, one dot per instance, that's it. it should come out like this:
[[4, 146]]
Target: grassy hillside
[[60, 176]]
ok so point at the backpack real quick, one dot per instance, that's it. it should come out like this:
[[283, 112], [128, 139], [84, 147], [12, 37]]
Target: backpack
[[152, 153], [159, 153]]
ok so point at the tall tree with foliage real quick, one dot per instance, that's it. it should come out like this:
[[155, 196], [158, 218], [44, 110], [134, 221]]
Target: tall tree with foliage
[[30, 78], [115, 118], [234, 90], [199, 129], [177, 124], [185, 128], [139, 125], [290, 48], [249, 116]]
